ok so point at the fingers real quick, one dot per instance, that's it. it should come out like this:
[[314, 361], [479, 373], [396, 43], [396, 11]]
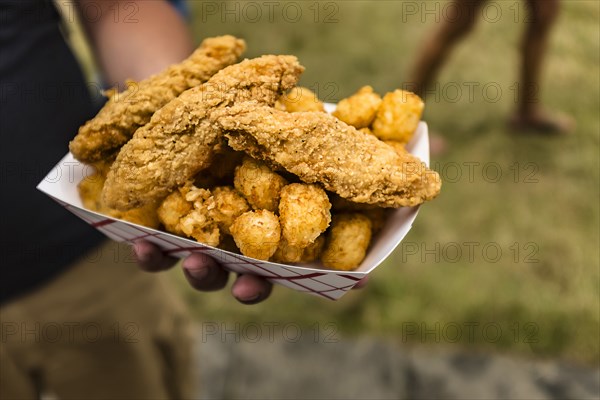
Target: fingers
[[203, 273], [250, 289], [150, 258]]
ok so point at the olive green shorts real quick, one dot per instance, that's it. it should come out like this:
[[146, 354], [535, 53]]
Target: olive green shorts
[[103, 330]]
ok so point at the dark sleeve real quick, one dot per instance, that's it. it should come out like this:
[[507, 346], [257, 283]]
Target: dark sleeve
[[43, 100]]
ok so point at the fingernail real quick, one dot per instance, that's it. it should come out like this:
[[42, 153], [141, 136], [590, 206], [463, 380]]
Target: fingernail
[[251, 300], [196, 273]]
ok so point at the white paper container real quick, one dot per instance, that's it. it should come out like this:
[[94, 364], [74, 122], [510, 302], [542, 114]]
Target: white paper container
[[61, 184]]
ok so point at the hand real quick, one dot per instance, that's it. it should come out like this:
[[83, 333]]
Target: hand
[[203, 273]]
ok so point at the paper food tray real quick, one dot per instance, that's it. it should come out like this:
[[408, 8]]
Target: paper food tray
[[61, 184]]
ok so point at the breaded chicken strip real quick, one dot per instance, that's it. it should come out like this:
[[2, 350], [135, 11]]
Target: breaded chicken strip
[[125, 112], [318, 147], [179, 140]]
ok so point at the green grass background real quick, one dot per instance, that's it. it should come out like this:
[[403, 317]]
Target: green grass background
[[547, 308]]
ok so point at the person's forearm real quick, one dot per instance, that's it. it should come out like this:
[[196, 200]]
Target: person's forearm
[[134, 39]]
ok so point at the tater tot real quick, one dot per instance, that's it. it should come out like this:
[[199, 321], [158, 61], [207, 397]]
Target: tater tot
[[257, 234], [225, 205], [398, 116], [313, 251], [367, 131], [146, 215], [399, 147], [259, 184], [347, 242], [90, 192], [378, 217], [304, 212], [300, 99], [287, 253], [197, 223], [171, 210], [359, 110]]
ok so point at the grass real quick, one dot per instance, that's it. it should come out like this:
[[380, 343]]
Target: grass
[[540, 296]]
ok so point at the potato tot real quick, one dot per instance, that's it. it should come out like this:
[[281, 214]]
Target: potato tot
[[259, 184], [347, 242], [197, 223], [399, 147], [359, 110], [90, 192], [287, 253], [398, 116], [225, 205], [300, 99], [171, 210], [257, 234], [304, 213]]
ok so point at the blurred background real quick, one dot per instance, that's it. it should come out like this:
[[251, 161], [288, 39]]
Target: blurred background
[[497, 282]]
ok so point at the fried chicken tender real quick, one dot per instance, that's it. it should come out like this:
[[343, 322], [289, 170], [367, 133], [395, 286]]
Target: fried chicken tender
[[347, 243], [259, 184], [124, 112], [398, 116], [318, 147], [90, 192], [179, 141], [359, 110], [304, 213], [257, 234], [300, 99], [225, 205]]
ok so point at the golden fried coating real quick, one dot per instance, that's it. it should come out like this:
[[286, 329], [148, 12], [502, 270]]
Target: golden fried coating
[[185, 213], [300, 99], [257, 234], [398, 116], [145, 215], [348, 240], [304, 213], [172, 209], [179, 140], [378, 217], [225, 205], [359, 110], [197, 223], [314, 250], [367, 131], [259, 184], [287, 253], [318, 147], [399, 147], [125, 112], [90, 192]]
